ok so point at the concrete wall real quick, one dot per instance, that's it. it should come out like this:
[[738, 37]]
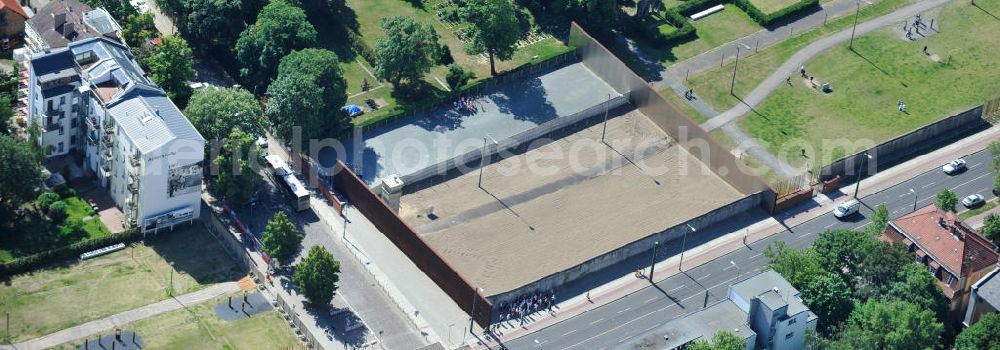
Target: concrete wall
[[687, 132], [638, 247], [904, 147]]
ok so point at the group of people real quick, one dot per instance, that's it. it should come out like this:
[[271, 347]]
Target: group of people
[[917, 24], [526, 305], [467, 104]]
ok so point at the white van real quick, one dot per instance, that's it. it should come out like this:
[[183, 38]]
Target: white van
[[847, 208]]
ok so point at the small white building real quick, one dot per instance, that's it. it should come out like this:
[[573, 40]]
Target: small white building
[[92, 97], [774, 310]]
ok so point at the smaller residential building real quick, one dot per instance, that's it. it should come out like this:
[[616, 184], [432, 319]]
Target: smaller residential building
[[984, 298], [765, 310], [61, 22], [12, 18], [952, 251]]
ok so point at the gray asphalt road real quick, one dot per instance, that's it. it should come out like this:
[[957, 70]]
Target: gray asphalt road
[[637, 313]]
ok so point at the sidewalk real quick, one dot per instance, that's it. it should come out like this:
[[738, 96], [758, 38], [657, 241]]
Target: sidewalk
[[977, 221], [820, 205], [124, 318]]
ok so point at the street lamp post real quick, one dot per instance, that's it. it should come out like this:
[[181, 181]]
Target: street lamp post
[[482, 160], [737, 64], [914, 199], [857, 185], [652, 262], [856, 12], [607, 105], [683, 246], [472, 312]]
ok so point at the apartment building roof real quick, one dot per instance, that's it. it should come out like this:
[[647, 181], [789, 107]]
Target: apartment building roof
[[989, 289], [13, 6], [61, 22], [150, 119]]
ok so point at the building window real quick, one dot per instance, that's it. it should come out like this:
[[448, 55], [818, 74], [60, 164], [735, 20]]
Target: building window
[[791, 321], [789, 335], [60, 147], [62, 100], [50, 105], [951, 279], [60, 130], [72, 140], [72, 123]]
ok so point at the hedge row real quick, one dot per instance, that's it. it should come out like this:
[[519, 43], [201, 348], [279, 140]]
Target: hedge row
[[64, 253], [359, 46], [766, 19]]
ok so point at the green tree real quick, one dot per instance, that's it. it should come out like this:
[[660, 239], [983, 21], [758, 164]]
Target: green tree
[[216, 112], [457, 76], [117, 8], [494, 29], [946, 200], [57, 211], [294, 101], [723, 340], [983, 335], [841, 251], [317, 276], [991, 228], [797, 266], [280, 238], [6, 113], [172, 67], [914, 284], [46, 199], [599, 14], [892, 325], [406, 50], [994, 148], [235, 175], [22, 173], [880, 220], [322, 68], [280, 28], [880, 266], [829, 298], [138, 29], [210, 23]]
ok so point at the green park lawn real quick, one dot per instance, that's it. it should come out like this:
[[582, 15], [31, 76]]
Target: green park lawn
[[716, 29], [713, 85], [198, 327], [882, 69], [59, 297], [772, 6], [78, 208]]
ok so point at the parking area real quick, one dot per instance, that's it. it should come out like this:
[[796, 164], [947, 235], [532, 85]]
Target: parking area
[[409, 145]]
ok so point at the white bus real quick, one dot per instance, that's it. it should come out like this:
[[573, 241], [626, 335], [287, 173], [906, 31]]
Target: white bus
[[283, 175]]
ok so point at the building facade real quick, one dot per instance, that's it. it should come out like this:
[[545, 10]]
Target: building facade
[[92, 97], [12, 18], [984, 298]]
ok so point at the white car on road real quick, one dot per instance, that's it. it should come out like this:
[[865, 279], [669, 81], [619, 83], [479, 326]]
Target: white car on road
[[954, 166], [973, 200]]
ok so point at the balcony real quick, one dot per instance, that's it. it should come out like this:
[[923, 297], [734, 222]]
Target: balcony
[[133, 173], [91, 138], [108, 141], [133, 187], [107, 154], [135, 161]]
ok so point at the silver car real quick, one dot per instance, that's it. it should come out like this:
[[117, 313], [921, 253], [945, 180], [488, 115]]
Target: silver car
[[954, 166], [973, 200]]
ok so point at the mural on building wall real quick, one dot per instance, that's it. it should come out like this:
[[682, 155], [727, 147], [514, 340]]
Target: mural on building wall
[[184, 180]]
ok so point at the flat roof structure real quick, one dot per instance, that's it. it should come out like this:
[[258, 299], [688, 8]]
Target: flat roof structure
[[699, 325], [412, 144], [562, 204]]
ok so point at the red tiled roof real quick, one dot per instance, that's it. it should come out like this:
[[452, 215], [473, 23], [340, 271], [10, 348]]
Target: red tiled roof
[[954, 246], [13, 6]]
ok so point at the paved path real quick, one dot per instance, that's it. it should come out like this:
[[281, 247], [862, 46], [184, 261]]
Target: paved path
[[628, 298], [791, 66], [123, 318]]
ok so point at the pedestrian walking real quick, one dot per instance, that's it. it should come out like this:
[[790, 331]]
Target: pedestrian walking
[[925, 49], [588, 298], [802, 70], [789, 81]]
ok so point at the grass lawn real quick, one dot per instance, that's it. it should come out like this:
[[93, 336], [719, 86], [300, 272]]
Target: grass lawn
[[713, 85], [78, 208], [772, 6], [982, 209], [197, 327], [717, 29], [64, 296], [684, 106], [862, 110]]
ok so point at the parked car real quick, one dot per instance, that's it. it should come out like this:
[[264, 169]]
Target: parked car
[[973, 200], [261, 142], [847, 208], [954, 166]]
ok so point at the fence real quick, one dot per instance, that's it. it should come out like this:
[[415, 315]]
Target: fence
[[477, 88], [921, 140], [415, 248], [471, 159]]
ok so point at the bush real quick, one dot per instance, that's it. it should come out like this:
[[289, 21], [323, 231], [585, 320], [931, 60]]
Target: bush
[[70, 252], [766, 19], [684, 30], [442, 55], [457, 76], [57, 211], [45, 200], [67, 193], [72, 227]]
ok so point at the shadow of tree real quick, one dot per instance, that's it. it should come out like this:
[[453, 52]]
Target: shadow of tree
[[193, 251]]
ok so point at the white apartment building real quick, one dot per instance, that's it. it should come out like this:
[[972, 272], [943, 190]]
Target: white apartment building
[[92, 97], [775, 311]]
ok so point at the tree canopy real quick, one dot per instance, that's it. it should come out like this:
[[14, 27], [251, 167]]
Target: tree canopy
[[798, 267], [317, 276], [294, 100], [138, 28], [322, 68], [494, 29], [946, 200], [171, 67], [406, 51], [983, 335], [991, 228], [723, 340], [209, 23], [237, 175], [280, 238], [280, 28], [829, 298], [895, 325], [22, 173], [880, 220], [914, 285], [216, 112]]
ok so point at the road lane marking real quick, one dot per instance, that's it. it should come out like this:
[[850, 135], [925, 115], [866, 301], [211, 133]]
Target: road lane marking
[[974, 179], [568, 333], [756, 256], [704, 277], [672, 290], [625, 309], [598, 320], [831, 225], [650, 328], [731, 266], [650, 299], [866, 224], [929, 184]]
